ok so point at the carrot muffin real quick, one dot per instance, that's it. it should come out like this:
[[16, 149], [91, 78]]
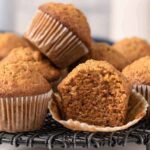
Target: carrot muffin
[[35, 59], [139, 71], [95, 93], [24, 97], [61, 32], [132, 48], [8, 41]]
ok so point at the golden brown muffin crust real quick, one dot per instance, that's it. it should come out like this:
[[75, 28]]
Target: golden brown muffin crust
[[103, 51], [132, 48], [71, 17], [95, 93], [35, 59], [8, 41], [139, 71], [20, 80]]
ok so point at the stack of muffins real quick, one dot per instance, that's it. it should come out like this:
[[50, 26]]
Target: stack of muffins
[[58, 54]]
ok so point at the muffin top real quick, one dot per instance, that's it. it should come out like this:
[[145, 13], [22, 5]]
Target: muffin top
[[70, 17], [103, 51], [132, 48], [8, 41], [139, 71], [35, 59], [21, 80]]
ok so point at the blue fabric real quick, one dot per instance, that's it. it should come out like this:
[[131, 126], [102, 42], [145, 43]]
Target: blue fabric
[[103, 40]]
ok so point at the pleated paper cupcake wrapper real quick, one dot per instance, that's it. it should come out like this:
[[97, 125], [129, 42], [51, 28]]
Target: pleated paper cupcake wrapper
[[137, 110], [144, 90], [55, 40], [19, 114]]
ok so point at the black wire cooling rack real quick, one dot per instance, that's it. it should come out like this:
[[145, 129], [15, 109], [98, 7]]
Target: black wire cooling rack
[[53, 135]]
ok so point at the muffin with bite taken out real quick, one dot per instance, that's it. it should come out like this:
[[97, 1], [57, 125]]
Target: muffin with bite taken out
[[95, 93]]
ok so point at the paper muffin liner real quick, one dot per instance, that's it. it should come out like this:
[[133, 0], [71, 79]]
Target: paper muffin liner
[[137, 110], [20, 114], [55, 40], [144, 90]]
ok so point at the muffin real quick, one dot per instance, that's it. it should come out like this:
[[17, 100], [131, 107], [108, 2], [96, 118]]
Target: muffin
[[103, 51], [8, 41], [139, 71], [24, 97], [61, 32], [95, 93], [35, 59], [132, 48], [16, 78], [55, 83]]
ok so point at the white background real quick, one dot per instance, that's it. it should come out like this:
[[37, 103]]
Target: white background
[[113, 19], [16, 14]]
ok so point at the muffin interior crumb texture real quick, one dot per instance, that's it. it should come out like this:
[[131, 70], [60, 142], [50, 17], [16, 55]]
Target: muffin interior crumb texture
[[95, 93]]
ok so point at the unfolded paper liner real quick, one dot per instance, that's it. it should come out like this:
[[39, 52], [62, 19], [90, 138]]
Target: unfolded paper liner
[[137, 110], [144, 90], [55, 40], [20, 114]]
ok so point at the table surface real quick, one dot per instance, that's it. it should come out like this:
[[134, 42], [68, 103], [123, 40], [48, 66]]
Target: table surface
[[128, 147]]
